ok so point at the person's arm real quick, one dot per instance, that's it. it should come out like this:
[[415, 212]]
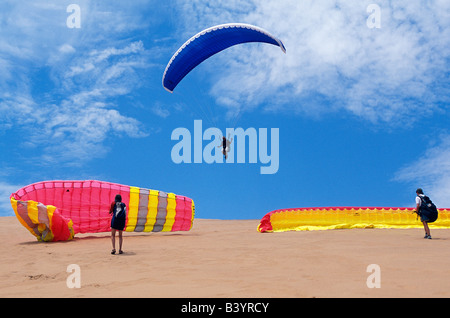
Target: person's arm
[[418, 203]]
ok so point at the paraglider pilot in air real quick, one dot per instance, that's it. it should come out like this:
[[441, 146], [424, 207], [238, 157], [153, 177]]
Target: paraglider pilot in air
[[225, 145]]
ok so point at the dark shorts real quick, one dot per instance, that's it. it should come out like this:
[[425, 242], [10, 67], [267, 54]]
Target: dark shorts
[[118, 223], [430, 218]]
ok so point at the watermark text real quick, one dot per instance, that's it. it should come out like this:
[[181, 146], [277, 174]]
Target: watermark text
[[251, 144]]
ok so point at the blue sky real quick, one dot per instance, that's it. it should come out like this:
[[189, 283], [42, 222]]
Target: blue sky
[[362, 113]]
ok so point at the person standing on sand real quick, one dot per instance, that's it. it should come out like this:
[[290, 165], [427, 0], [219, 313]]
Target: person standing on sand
[[424, 218], [119, 211]]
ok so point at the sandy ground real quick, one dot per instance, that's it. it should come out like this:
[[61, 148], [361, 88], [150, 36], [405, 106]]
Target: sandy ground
[[228, 259]]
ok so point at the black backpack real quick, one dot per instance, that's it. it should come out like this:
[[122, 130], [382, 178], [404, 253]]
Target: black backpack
[[120, 210], [428, 209]]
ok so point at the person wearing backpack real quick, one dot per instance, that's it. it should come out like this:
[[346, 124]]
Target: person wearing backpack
[[118, 210], [426, 210]]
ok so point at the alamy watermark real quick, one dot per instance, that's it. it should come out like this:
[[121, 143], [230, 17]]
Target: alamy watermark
[[374, 279], [374, 19], [74, 19], [74, 279], [238, 143]]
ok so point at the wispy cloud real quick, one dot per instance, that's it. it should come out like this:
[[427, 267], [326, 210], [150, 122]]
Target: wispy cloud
[[60, 88], [431, 171], [159, 110], [74, 127], [333, 61]]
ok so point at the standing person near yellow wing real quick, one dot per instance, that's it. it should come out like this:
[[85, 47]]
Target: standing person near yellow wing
[[426, 210]]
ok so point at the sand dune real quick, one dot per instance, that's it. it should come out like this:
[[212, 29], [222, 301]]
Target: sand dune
[[228, 259]]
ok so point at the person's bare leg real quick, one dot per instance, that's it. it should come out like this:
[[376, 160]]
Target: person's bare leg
[[427, 229], [120, 242], [113, 239]]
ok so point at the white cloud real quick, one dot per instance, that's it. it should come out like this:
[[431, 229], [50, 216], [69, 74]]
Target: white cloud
[[85, 71], [66, 48], [74, 128], [333, 58], [431, 172], [160, 111], [133, 48]]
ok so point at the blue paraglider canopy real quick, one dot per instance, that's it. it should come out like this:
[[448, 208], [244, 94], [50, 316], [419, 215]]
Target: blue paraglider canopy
[[209, 42]]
